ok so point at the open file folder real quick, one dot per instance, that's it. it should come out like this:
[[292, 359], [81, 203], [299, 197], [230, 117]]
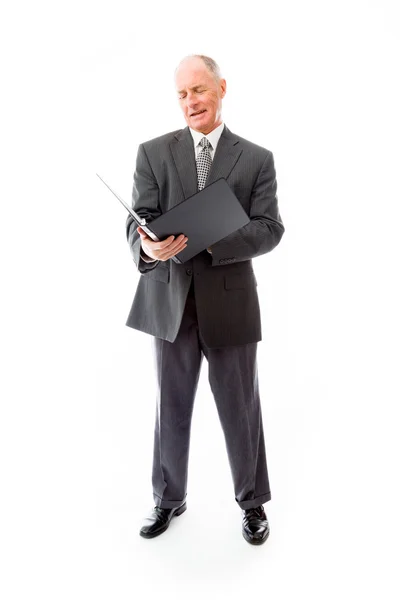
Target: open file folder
[[204, 218]]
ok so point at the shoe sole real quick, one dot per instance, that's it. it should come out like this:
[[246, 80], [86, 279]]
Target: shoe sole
[[160, 531], [254, 542]]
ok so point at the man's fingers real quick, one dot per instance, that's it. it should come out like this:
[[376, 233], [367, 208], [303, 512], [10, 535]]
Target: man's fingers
[[172, 251], [165, 243], [169, 243], [164, 249], [176, 247], [161, 245]]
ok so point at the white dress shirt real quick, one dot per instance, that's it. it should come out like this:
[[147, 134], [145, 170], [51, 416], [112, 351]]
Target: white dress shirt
[[213, 138]]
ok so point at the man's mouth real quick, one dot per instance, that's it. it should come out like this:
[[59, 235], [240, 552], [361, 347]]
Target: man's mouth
[[198, 113]]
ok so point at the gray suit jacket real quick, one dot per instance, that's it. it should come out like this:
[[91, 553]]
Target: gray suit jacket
[[225, 285]]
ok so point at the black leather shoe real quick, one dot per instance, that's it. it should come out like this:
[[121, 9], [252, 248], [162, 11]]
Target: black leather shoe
[[159, 520], [255, 527]]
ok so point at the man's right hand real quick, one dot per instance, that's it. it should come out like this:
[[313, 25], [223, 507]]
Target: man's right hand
[[163, 250]]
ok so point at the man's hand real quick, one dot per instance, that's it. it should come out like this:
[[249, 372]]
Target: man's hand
[[163, 250]]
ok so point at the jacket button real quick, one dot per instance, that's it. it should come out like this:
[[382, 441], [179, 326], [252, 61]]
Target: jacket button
[[189, 271]]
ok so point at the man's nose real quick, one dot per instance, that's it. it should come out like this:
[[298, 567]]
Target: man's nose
[[191, 100]]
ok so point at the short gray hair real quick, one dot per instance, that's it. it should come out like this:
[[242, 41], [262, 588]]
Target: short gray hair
[[210, 63]]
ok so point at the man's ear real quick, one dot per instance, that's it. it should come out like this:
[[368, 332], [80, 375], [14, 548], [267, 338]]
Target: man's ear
[[223, 87]]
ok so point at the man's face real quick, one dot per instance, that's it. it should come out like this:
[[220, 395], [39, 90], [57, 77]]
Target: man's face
[[200, 96]]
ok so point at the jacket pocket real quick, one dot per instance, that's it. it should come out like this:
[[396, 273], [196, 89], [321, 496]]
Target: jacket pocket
[[159, 273]]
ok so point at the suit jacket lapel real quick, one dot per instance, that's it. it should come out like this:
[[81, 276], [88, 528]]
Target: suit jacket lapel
[[225, 157], [183, 153]]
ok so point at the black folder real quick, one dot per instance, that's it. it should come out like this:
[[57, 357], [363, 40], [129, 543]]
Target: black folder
[[204, 218]]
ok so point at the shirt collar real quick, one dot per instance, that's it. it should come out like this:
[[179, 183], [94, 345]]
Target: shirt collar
[[213, 136]]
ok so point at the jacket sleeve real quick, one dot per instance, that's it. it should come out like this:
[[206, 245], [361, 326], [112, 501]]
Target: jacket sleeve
[[145, 201], [265, 229]]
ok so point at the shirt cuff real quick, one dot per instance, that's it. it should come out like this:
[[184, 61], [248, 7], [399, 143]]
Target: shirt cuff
[[146, 258]]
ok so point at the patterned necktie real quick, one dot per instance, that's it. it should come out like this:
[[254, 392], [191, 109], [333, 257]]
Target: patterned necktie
[[203, 162]]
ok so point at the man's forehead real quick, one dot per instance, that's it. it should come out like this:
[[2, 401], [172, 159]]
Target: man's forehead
[[190, 76]]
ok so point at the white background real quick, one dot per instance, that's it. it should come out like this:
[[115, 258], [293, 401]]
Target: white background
[[83, 84]]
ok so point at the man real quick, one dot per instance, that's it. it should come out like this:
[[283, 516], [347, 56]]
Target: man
[[208, 305]]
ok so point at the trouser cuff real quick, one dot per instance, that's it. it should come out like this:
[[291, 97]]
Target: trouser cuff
[[167, 503], [246, 504]]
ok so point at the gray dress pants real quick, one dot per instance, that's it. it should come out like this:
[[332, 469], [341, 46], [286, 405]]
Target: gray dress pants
[[233, 380]]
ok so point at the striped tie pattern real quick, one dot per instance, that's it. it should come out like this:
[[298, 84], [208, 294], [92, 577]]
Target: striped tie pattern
[[203, 162]]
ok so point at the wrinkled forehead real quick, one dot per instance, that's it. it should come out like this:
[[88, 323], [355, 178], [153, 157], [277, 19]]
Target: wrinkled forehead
[[191, 74]]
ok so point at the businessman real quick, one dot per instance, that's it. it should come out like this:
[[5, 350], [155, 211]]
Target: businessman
[[207, 306]]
